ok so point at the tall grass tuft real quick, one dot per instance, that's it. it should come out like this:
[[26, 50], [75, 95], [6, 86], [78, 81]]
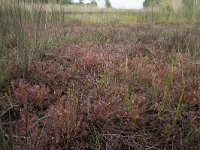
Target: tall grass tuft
[[23, 33]]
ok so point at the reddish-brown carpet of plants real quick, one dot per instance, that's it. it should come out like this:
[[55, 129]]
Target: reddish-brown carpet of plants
[[120, 91]]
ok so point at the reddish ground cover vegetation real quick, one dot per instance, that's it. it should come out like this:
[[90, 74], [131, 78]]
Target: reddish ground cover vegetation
[[119, 87]]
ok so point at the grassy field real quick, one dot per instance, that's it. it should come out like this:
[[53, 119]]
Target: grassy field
[[79, 77]]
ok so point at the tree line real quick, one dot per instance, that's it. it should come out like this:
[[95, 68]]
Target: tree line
[[92, 2], [185, 3], [70, 2]]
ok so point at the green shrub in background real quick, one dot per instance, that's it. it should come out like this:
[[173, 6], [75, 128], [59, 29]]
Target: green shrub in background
[[66, 2], [148, 3]]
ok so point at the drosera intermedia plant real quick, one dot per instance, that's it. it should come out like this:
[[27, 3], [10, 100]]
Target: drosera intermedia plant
[[65, 119]]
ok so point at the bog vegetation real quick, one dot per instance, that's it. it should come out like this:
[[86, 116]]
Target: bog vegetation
[[75, 76]]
